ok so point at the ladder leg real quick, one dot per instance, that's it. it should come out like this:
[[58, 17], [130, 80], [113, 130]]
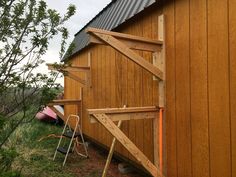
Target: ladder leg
[[82, 138], [59, 141], [104, 174], [68, 150]]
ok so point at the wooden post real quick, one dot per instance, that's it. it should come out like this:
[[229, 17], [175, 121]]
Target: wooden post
[[80, 111], [162, 84], [104, 174]]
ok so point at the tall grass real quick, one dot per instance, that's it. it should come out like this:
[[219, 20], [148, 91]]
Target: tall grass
[[35, 157]]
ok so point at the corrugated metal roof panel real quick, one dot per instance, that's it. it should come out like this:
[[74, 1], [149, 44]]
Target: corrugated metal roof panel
[[114, 14]]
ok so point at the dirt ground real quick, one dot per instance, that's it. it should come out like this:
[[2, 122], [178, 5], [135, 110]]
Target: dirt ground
[[93, 166]]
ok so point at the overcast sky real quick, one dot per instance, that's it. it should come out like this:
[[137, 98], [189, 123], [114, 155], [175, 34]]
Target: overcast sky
[[86, 10]]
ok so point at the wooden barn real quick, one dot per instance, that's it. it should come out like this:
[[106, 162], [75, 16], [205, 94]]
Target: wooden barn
[[137, 58]]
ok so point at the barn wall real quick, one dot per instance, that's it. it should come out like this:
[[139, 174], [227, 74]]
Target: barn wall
[[116, 81], [201, 83], [201, 93]]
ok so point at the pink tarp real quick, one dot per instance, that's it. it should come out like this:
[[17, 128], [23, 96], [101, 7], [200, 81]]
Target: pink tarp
[[47, 115]]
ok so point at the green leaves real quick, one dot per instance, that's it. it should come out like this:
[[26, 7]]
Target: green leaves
[[27, 26]]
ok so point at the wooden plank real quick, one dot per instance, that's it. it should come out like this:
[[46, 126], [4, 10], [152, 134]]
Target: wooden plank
[[95, 127], [155, 125], [65, 101], [232, 43], [69, 68], [108, 84], [183, 89], [112, 82], [155, 95], [129, 145], [123, 94], [147, 91], [136, 45], [117, 64], [162, 61], [198, 73], [218, 87], [139, 137], [89, 98], [100, 89], [123, 110], [131, 96], [122, 48], [162, 90], [128, 116], [112, 148], [171, 137], [105, 93], [123, 36]]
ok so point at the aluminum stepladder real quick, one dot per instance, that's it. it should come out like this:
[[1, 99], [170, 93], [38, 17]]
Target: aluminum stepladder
[[73, 135]]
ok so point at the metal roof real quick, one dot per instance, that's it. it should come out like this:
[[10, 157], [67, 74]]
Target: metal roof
[[114, 14]]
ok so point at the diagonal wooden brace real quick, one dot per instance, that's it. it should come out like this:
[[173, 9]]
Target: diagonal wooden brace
[[128, 144], [125, 50]]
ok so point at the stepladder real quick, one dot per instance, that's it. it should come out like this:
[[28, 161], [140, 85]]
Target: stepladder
[[71, 139]]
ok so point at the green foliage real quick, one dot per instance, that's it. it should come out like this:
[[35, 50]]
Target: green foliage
[[25, 32], [2, 122], [36, 150], [10, 174], [7, 157]]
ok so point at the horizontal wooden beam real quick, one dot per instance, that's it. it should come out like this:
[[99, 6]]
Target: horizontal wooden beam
[[64, 102], [124, 36], [132, 44], [127, 116], [128, 144], [71, 68], [123, 110], [124, 49]]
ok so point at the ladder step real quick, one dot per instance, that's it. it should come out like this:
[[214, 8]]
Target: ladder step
[[70, 134], [63, 150]]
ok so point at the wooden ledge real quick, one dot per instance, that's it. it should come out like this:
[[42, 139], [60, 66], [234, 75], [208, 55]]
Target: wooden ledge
[[124, 36], [70, 68], [64, 102], [123, 110], [131, 113]]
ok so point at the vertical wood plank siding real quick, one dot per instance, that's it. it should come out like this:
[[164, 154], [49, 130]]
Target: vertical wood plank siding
[[232, 65], [200, 109]]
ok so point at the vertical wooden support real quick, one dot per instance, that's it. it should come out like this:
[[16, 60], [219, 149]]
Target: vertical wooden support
[[104, 174], [155, 58], [80, 111], [89, 73], [159, 61], [162, 89]]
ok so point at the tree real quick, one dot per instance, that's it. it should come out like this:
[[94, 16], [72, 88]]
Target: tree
[[26, 28]]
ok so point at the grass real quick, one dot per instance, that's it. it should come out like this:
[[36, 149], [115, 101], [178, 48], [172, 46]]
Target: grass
[[35, 157]]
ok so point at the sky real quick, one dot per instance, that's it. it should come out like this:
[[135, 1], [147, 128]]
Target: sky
[[86, 10]]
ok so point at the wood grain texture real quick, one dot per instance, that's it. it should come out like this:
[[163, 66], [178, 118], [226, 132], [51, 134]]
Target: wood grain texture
[[169, 11], [218, 81], [201, 71], [232, 43], [183, 89], [147, 88], [199, 94]]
